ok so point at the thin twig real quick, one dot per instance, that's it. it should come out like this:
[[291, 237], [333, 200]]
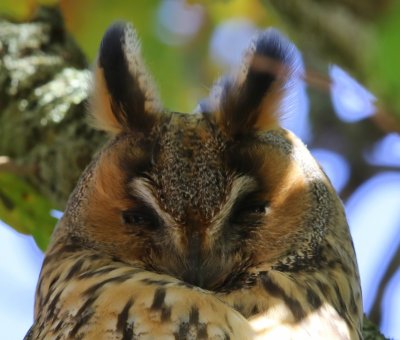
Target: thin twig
[[7, 165]]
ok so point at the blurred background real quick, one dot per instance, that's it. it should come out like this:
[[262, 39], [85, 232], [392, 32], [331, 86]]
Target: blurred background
[[346, 108]]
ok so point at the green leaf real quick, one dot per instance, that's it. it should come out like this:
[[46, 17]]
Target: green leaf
[[24, 209], [384, 67]]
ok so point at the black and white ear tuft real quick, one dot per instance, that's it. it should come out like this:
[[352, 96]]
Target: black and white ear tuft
[[250, 100], [124, 97]]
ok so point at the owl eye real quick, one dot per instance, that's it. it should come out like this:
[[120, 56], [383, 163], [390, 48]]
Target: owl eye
[[257, 209], [248, 212], [142, 217]]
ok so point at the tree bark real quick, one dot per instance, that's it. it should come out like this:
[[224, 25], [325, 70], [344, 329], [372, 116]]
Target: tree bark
[[44, 83]]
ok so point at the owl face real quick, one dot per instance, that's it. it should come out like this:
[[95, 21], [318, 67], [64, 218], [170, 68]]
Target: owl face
[[192, 204], [204, 197]]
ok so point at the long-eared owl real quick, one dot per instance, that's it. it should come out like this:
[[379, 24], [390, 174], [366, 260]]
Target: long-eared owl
[[213, 225]]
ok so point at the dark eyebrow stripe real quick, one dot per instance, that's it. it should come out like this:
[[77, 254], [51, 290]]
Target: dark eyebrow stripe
[[248, 195]]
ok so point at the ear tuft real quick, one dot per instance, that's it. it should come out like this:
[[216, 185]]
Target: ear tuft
[[124, 97], [250, 100]]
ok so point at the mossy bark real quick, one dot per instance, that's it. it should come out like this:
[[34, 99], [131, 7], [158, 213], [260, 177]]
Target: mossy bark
[[44, 82]]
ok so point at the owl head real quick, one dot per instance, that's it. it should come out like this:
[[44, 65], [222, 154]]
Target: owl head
[[207, 197]]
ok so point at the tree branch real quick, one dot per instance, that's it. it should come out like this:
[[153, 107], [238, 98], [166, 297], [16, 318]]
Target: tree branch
[[7, 165], [44, 82]]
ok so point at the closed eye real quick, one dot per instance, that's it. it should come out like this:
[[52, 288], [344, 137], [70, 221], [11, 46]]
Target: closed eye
[[248, 209], [141, 216]]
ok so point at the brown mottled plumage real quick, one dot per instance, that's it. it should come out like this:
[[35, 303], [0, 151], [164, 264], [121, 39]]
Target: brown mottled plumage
[[214, 225]]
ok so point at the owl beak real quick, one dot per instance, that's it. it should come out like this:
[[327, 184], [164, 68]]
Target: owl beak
[[194, 278], [193, 271]]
